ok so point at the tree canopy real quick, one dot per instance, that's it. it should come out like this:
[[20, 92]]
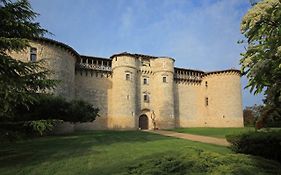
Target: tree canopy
[[261, 62], [20, 81]]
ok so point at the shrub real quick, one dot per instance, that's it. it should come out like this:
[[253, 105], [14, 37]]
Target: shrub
[[197, 161], [40, 117], [57, 108], [265, 144]]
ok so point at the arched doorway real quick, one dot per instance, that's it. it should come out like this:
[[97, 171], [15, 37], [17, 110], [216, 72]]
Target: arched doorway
[[143, 122]]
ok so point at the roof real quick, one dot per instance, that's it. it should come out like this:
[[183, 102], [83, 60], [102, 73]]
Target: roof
[[95, 58], [192, 70], [65, 46], [133, 55]]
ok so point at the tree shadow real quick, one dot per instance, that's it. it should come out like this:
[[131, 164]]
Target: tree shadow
[[53, 148]]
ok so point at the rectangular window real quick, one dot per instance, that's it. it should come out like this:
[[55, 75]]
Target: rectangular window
[[127, 76], [164, 79], [146, 98], [206, 101], [145, 81], [33, 54]]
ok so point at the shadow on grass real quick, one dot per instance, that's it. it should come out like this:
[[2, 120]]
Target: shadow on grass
[[52, 148]]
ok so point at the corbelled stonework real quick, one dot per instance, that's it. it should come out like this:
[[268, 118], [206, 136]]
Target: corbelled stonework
[[127, 86]]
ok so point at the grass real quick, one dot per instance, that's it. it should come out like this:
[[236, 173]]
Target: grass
[[121, 152], [213, 132]]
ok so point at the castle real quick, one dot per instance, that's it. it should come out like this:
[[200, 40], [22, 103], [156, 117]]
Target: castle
[[130, 89]]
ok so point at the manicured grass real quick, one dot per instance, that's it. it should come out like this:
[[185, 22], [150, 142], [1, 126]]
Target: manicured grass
[[213, 132], [117, 152]]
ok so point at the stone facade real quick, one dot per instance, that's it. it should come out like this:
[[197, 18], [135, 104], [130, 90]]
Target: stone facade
[[128, 88]]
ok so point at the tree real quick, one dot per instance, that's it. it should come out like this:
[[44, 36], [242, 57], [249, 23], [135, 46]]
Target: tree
[[248, 117], [20, 81], [261, 62]]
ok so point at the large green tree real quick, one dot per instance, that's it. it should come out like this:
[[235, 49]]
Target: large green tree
[[20, 81], [261, 62]]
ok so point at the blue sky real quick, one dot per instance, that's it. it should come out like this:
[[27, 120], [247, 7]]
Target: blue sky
[[199, 34]]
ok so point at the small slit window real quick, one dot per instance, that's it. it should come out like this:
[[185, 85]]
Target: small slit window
[[206, 83], [33, 54], [164, 79]]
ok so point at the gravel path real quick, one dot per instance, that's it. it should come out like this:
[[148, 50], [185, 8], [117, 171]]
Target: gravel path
[[197, 138]]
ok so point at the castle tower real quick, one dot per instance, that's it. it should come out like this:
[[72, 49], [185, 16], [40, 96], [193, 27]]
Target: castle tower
[[163, 92], [124, 87], [223, 99]]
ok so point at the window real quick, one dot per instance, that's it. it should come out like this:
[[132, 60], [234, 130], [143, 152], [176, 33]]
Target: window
[[33, 54], [145, 81], [164, 79], [146, 98], [128, 76], [206, 101], [206, 83]]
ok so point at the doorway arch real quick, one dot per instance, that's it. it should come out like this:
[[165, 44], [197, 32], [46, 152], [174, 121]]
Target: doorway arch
[[143, 122]]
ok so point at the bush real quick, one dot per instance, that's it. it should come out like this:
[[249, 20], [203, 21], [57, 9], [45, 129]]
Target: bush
[[57, 108], [265, 144], [197, 161], [40, 117]]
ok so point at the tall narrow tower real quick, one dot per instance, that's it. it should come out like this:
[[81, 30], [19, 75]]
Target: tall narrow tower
[[124, 86], [163, 90]]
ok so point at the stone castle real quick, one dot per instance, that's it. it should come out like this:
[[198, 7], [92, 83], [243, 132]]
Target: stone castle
[[130, 89]]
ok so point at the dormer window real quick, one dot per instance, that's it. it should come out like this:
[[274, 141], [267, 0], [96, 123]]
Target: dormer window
[[33, 54]]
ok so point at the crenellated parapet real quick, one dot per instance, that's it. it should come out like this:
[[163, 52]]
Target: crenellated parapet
[[223, 72]]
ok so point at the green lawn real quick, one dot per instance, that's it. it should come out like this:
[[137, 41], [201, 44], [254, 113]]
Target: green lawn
[[213, 132], [123, 152]]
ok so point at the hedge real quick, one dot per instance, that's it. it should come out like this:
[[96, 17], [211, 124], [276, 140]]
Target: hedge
[[265, 144]]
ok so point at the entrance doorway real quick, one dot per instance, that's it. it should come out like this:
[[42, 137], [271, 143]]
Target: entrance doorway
[[143, 122]]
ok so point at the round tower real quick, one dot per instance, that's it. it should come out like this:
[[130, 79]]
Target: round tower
[[59, 59], [124, 87], [223, 99], [163, 92]]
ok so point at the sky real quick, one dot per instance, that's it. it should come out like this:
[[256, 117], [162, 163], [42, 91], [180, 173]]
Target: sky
[[198, 34]]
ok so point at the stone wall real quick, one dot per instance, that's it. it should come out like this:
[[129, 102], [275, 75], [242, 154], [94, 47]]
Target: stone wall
[[94, 87], [60, 61], [189, 104]]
